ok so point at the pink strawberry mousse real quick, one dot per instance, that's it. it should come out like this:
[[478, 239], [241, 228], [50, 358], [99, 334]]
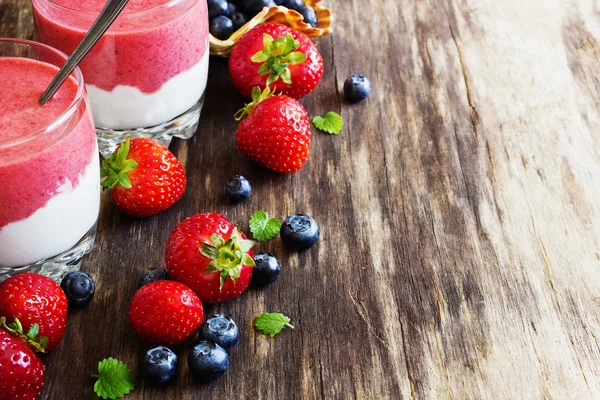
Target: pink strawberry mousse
[[49, 170], [150, 67]]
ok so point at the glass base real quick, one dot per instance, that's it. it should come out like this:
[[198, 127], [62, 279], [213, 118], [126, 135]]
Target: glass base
[[58, 266], [182, 127]]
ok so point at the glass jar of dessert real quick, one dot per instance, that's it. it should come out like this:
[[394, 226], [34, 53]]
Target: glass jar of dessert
[[49, 164], [147, 74]]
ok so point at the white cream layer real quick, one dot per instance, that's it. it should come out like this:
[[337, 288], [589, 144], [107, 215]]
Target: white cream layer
[[127, 107], [57, 226]]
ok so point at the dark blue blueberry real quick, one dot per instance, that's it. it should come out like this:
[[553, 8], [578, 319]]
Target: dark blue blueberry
[[238, 188], [310, 17], [293, 4], [300, 232], [266, 270], [208, 361], [253, 7], [153, 275], [238, 20], [159, 365], [217, 8], [278, 2], [79, 288], [220, 329], [357, 88], [231, 9], [221, 27]]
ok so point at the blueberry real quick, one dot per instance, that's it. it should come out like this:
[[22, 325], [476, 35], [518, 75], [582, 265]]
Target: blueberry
[[310, 17], [221, 27], [238, 20], [221, 330], [293, 4], [300, 232], [253, 7], [79, 288], [231, 9], [207, 361], [266, 270], [217, 8], [278, 2], [153, 275], [238, 188], [159, 365], [357, 88]]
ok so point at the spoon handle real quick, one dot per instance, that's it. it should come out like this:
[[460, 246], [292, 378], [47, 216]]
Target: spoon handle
[[105, 19]]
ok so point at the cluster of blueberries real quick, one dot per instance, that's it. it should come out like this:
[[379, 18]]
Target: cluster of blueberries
[[227, 17], [207, 360]]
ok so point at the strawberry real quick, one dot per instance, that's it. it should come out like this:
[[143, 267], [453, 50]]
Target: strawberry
[[278, 56], [275, 132], [209, 254], [165, 313], [35, 299], [21, 371], [145, 177]]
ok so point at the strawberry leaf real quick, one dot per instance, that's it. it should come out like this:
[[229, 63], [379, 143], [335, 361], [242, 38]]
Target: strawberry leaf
[[332, 123], [115, 169], [271, 323], [115, 379], [262, 227]]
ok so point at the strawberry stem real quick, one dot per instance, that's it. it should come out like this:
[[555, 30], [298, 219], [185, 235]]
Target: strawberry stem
[[227, 257], [15, 328], [257, 98], [115, 169], [276, 56]]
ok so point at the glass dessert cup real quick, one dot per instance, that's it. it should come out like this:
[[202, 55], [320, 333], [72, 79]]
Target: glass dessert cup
[[49, 165], [147, 75]]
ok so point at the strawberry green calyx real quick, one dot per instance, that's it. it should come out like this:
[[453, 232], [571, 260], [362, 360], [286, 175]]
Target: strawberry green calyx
[[257, 98], [15, 328], [227, 257], [276, 56], [115, 169]]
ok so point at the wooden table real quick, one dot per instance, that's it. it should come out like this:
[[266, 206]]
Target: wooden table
[[460, 253]]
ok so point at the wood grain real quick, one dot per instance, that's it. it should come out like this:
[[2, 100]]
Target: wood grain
[[460, 223]]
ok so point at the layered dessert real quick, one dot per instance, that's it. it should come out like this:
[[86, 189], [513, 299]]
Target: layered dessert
[[149, 68], [49, 165]]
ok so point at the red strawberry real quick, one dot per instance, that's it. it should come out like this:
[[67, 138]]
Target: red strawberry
[[275, 133], [145, 177], [278, 56], [35, 298], [165, 313], [21, 371], [209, 254]]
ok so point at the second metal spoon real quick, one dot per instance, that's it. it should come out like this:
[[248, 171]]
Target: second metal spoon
[[107, 16]]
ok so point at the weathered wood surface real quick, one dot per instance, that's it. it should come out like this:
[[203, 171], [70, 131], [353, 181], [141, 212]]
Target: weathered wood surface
[[460, 252]]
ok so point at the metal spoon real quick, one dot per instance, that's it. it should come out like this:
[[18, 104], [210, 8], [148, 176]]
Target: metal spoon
[[107, 16]]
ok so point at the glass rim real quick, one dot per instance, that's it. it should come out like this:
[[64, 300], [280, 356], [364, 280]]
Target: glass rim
[[65, 115], [136, 13]]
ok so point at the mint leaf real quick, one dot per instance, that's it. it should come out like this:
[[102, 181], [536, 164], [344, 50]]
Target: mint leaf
[[271, 323], [115, 379], [262, 227], [332, 123]]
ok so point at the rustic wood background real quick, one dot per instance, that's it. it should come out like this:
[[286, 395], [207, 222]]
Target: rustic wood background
[[459, 210]]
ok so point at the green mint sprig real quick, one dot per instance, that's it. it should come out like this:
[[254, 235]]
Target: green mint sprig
[[271, 323], [332, 123], [115, 379], [263, 228]]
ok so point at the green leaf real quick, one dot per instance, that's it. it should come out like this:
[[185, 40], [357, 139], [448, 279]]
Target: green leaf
[[332, 123], [286, 77], [262, 227], [295, 58], [209, 251], [264, 69], [34, 330], [247, 260], [261, 56], [271, 323], [115, 379]]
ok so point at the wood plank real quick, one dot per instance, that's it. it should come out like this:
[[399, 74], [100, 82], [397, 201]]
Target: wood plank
[[460, 247]]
